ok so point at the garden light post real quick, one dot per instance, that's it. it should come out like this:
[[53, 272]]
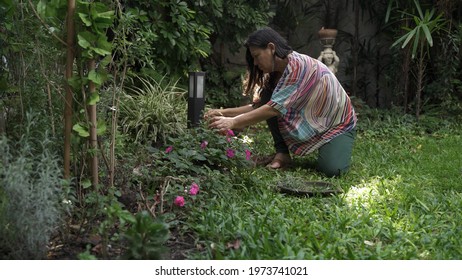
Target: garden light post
[[196, 101]]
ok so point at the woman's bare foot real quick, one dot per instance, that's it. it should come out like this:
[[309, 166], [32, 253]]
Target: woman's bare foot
[[280, 161], [262, 160]]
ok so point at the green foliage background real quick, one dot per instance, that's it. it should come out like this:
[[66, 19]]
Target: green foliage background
[[395, 203]]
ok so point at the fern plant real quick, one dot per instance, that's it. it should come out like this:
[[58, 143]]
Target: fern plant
[[153, 111]]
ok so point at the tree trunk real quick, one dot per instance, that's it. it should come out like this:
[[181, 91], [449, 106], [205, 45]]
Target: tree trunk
[[420, 77], [69, 95], [93, 129]]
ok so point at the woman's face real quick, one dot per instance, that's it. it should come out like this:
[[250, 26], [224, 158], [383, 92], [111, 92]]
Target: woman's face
[[263, 58]]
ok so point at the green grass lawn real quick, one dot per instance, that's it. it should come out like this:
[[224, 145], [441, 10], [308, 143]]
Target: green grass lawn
[[402, 199]]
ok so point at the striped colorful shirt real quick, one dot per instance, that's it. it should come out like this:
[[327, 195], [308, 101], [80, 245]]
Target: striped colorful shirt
[[314, 106]]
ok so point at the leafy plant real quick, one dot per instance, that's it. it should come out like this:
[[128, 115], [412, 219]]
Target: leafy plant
[[164, 36], [425, 25], [154, 111], [201, 149], [224, 87], [31, 193], [183, 166], [146, 238]]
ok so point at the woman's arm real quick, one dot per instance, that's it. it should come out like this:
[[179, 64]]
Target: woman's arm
[[228, 112], [243, 120]]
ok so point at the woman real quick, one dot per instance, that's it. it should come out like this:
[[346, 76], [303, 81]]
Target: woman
[[303, 101]]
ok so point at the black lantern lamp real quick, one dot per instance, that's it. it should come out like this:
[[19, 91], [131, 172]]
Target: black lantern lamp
[[196, 101]]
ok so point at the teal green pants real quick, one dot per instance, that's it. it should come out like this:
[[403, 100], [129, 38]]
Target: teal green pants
[[334, 158]]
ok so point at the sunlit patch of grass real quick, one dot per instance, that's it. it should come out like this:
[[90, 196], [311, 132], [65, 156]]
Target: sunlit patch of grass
[[374, 191]]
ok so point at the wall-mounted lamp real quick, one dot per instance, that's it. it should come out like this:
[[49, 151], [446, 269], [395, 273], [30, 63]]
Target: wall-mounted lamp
[[196, 100]]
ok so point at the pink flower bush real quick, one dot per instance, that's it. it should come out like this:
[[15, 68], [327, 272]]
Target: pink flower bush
[[247, 154], [230, 153], [179, 201], [204, 145], [229, 134], [193, 189], [169, 149]]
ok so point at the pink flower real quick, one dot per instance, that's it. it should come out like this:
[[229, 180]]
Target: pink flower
[[204, 145], [230, 153], [247, 154], [169, 149], [230, 132], [193, 189], [179, 201]]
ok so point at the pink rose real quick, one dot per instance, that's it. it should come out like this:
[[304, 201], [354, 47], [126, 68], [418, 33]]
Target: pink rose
[[230, 153], [230, 132], [193, 189], [179, 201], [169, 149]]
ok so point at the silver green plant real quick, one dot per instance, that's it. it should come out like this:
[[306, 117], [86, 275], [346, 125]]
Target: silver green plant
[[30, 193]]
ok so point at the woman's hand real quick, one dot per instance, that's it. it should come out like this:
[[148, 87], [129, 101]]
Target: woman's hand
[[222, 124], [213, 113]]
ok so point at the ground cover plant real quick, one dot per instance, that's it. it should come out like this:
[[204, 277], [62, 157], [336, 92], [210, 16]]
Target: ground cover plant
[[401, 200]]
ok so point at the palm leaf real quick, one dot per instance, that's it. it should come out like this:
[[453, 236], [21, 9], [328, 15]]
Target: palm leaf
[[428, 35]]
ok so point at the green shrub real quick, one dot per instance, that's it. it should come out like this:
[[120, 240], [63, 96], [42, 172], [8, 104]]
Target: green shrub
[[201, 149], [154, 111], [146, 238], [30, 194]]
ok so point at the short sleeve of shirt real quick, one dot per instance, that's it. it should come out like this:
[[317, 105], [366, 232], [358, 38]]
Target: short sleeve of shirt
[[286, 88]]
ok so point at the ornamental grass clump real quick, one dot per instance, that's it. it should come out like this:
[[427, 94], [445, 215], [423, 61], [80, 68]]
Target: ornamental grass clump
[[153, 111]]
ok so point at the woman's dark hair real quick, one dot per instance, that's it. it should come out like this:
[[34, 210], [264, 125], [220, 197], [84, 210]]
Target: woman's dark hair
[[260, 39]]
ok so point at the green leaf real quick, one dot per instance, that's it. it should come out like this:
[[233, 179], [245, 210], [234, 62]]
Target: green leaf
[[428, 35], [101, 51], [42, 8], [85, 39], [101, 128], [103, 46], [419, 10], [75, 82], [94, 98], [82, 131], [85, 19], [416, 43], [95, 77], [409, 37], [86, 183], [108, 14]]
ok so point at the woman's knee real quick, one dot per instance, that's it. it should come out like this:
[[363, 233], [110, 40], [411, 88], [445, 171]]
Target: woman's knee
[[332, 170]]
